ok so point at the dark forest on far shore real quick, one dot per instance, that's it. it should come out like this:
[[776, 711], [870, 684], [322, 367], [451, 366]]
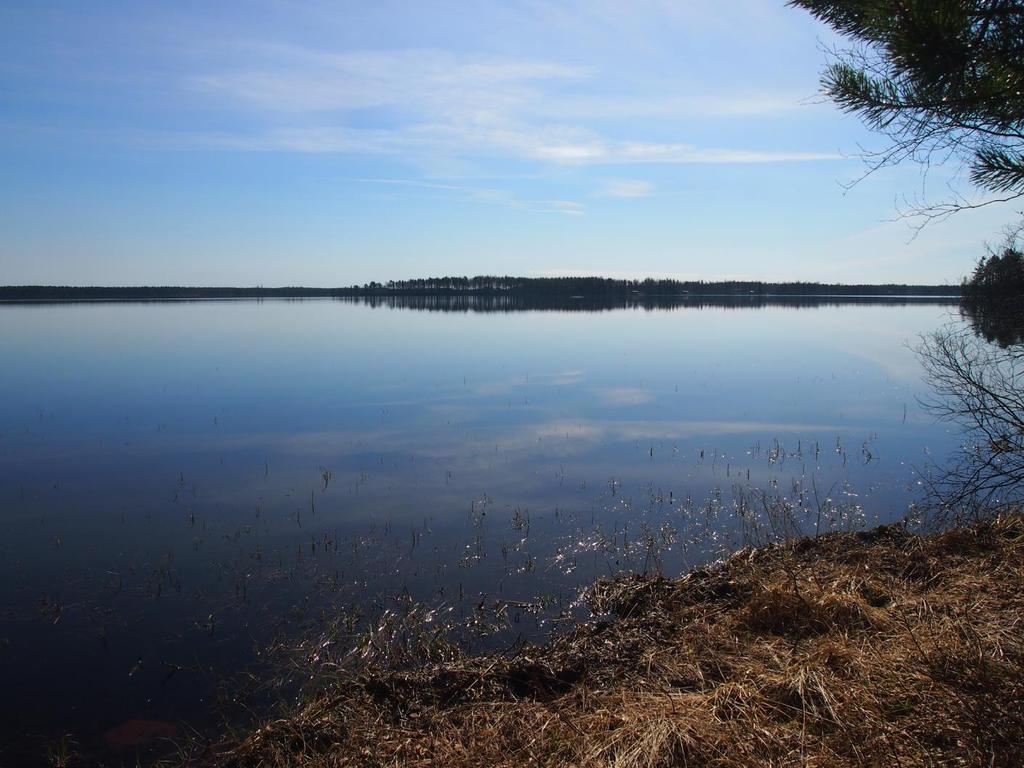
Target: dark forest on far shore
[[592, 288]]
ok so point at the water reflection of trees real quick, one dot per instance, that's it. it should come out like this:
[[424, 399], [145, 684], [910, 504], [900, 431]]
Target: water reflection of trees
[[521, 302], [999, 321]]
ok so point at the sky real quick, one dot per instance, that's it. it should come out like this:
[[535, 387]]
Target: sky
[[334, 143]]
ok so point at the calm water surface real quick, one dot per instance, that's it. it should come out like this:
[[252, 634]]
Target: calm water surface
[[182, 483]]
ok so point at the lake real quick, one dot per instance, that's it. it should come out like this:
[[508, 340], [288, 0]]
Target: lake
[[183, 483]]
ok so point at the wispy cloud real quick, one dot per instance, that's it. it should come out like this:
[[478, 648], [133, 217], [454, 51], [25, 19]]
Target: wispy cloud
[[627, 188], [624, 396], [487, 195], [643, 152], [284, 79], [425, 103], [560, 145], [760, 105]]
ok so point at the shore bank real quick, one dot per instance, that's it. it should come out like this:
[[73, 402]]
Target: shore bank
[[874, 648]]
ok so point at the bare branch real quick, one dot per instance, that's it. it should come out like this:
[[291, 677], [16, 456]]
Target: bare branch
[[980, 386]]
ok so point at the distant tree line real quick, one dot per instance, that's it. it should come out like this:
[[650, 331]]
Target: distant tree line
[[596, 288], [155, 293]]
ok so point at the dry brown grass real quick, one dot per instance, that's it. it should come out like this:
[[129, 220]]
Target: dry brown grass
[[880, 649]]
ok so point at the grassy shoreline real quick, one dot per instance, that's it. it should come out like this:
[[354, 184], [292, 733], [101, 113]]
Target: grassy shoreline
[[874, 648]]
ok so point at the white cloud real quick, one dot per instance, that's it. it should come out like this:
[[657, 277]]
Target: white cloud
[[627, 188], [569, 153], [675, 107], [623, 396], [489, 196], [424, 104], [642, 152], [549, 144], [289, 79], [568, 207]]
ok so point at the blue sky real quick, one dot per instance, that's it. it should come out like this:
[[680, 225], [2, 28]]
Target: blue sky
[[317, 143]]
